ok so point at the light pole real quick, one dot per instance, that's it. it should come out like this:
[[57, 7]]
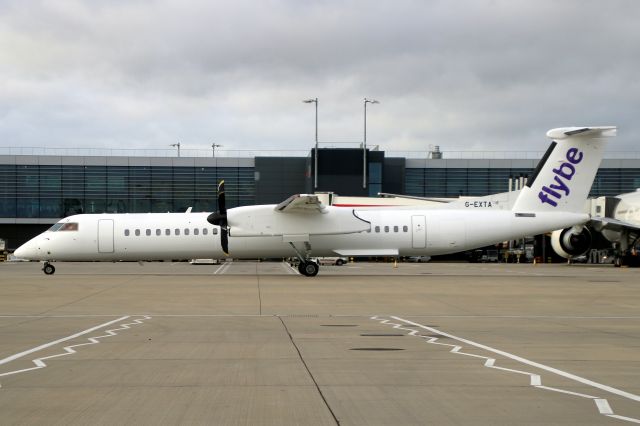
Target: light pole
[[364, 145], [178, 146], [315, 157], [213, 149]]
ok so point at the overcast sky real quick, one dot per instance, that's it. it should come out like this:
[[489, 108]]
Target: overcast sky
[[465, 75]]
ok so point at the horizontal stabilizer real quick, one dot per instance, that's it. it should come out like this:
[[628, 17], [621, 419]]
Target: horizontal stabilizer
[[592, 132]]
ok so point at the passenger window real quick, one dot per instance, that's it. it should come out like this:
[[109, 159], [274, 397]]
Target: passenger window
[[386, 229], [186, 231], [196, 231], [167, 231], [177, 231], [126, 232], [137, 232], [148, 232], [214, 231], [395, 229], [158, 232], [377, 229], [405, 228], [204, 231]]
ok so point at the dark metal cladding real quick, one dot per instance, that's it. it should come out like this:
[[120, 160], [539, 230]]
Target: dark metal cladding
[[541, 163]]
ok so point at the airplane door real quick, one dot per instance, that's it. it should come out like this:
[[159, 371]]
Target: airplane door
[[419, 236], [105, 236]]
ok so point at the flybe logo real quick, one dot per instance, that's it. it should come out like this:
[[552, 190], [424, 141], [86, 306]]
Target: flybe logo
[[562, 176]]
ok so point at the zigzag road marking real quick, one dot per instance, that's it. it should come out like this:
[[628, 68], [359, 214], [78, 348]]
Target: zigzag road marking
[[535, 379], [69, 350]]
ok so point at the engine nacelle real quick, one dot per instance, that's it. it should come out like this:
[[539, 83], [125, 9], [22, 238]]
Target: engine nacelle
[[571, 242]]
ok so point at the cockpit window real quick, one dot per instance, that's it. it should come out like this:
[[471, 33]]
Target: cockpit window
[[69, 226], [55, 227]]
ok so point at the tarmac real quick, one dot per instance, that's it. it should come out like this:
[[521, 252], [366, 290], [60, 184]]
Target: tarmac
[[249, 343]]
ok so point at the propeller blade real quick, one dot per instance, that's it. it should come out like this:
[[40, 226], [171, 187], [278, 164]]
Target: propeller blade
[[224, 241], [222, 208], [219, 218]]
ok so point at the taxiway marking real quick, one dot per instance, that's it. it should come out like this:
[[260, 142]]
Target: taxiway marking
[[68, 350], [290, 269], [222, 269], [535, 380], [55, 342]]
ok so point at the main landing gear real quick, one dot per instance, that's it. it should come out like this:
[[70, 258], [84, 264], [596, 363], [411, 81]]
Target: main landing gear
[[306, 267], [48, 268]]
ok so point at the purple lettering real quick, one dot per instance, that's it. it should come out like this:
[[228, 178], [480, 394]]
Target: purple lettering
[[545, 199], [561, 185], [574, 156], [564, 173], [552, 192]]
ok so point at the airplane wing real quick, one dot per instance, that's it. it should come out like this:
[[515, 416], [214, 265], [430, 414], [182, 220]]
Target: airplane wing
[[412, 197], [301, 203], [602, 223]]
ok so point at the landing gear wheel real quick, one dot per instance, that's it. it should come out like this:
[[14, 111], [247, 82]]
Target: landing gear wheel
[[308, 268], [48, 269]]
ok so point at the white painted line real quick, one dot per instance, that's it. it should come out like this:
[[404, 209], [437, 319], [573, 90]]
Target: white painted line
[[69, 350], [290, 269], [626, 419], [603, 406], [536, 380], [522, 360], [64, 339], [222, 269]]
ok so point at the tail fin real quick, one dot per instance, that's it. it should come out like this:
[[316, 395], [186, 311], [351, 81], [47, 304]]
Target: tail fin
[[564, 176]]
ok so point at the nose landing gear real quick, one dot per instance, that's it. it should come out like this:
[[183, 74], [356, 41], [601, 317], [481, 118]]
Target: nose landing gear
[[48, 268]]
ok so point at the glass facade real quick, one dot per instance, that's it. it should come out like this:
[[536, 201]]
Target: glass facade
[[32, 191], [374, 179], [453, 182], [43, 191]]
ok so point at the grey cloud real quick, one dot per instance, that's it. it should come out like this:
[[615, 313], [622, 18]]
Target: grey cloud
[[481, 75]]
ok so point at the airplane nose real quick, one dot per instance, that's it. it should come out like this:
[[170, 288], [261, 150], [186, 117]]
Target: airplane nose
[[26, 251]]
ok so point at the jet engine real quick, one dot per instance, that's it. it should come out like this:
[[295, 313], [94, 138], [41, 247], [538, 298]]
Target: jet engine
[[571, 242]]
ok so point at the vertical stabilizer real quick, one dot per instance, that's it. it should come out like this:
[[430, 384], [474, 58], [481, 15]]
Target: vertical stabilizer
[[564, 176]]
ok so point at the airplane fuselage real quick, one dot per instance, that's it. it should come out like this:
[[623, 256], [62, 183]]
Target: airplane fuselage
[[384, 232]]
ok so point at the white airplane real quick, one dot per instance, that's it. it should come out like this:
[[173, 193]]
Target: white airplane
[[302, 226], [620, 225]]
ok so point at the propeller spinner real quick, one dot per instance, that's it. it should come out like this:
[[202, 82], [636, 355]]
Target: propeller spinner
[[219, 218]]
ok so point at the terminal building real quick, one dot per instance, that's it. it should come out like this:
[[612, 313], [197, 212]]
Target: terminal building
[[38, 190]]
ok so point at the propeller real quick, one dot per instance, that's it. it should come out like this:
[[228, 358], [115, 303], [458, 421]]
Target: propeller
[[219, 218]]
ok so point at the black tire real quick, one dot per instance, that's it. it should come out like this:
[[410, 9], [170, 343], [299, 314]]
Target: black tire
[[309, 269], [339, 262], [49, 269]]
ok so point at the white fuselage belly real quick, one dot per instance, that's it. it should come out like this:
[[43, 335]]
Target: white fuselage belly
[[397, 232]]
